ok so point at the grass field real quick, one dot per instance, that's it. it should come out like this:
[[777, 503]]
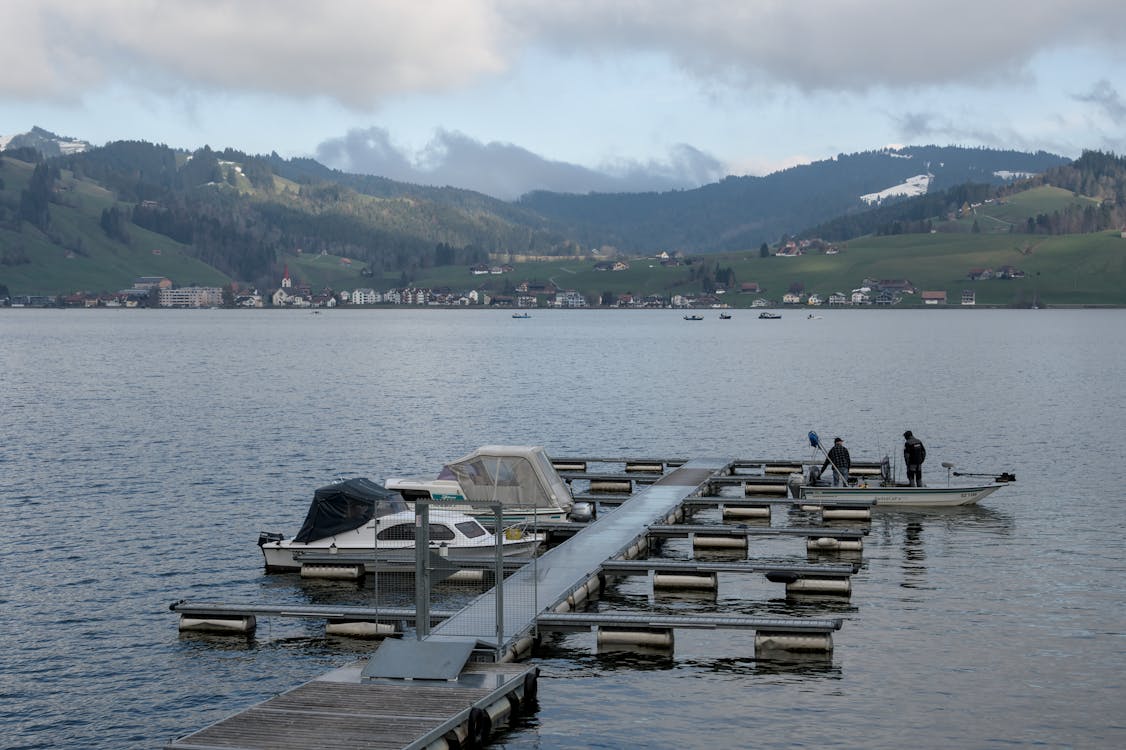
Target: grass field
[[1071, 270]]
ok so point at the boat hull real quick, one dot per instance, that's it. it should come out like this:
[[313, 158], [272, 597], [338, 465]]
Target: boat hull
[[894, 497], [286, 555]]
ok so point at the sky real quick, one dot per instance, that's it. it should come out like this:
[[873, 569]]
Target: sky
[[507, 96]]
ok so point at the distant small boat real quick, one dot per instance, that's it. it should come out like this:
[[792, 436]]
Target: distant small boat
[[693, 317], [521, 315], [769, 316], [724, 316], [811, 316]]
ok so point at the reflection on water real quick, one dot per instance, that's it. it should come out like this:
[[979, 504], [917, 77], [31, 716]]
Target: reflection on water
[[913, 555]]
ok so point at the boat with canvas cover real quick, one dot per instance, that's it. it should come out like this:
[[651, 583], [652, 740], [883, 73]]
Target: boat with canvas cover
[[521, 478], [360, 516]]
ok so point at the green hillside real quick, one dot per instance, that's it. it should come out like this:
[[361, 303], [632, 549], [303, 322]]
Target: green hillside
[[1065, 270], [76, 254], [94, 222]]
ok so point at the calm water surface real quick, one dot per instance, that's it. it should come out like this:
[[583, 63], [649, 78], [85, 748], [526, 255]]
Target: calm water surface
[[145, 450]]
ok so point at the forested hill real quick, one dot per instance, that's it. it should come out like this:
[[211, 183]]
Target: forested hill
[[742, 212], [242, 215], [1096, 176]]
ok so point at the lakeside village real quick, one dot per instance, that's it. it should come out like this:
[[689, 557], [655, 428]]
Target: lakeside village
[[160, 291]]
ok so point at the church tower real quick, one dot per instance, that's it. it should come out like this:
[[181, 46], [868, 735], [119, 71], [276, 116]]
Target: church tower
[[286, 281]]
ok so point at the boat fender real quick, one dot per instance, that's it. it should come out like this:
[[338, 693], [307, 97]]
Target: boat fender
[[480, 727], [531, 686], [782, 576]]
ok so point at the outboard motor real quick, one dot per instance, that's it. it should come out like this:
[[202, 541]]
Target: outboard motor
[[794, 483], [885, 470], [814, 474], [264, 537]]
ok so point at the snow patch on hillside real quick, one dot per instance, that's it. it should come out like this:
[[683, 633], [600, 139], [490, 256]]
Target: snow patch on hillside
[[916, 185]]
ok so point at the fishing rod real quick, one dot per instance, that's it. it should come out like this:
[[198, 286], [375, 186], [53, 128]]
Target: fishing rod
[[815, 442]]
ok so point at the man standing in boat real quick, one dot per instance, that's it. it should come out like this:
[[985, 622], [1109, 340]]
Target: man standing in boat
[[838, 458], [914, 453]]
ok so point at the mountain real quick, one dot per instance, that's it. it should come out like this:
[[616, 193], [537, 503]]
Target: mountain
[[45, 142], [96, 218], [742, 212]]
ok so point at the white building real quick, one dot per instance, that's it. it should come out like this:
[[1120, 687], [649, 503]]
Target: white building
[[570, 298], [192, 296], [365, 297]]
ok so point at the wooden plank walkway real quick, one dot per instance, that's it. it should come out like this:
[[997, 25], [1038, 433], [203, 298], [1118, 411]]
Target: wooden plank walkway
[[336, 712]]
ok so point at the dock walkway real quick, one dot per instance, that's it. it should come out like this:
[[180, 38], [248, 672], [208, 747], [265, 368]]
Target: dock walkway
[[561, 570], [339, 711]]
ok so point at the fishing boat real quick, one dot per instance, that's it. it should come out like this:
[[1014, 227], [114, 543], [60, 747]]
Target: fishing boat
[[896, 495], [359, 516], [769, 316], [521, 315], [884, 491], [725, 316], [693, 317], [519, 478]]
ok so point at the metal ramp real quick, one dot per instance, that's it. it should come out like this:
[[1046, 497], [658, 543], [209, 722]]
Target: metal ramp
[[560, 570]]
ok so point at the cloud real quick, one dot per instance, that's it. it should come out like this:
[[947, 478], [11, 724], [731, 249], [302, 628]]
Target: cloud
[[816, 45], [507, 171], [1106, 98], [359, 52], [353, 51]]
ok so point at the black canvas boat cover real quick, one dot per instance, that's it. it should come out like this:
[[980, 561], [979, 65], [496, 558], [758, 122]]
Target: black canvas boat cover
[[347, 505]]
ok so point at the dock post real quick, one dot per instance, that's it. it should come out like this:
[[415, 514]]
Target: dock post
[[422, 569], [498, 545]]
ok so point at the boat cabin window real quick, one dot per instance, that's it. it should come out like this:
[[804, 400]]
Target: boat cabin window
[[404, 532], [471, 529]]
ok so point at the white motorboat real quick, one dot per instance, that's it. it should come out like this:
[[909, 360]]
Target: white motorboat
[[359, 516], [894, 495], [519, 478]]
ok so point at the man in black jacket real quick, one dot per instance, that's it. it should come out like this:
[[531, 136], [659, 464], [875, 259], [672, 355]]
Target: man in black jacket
[[838, 458], [914, 453]]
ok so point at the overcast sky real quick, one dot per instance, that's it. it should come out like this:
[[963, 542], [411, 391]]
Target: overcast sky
[[570, 95]]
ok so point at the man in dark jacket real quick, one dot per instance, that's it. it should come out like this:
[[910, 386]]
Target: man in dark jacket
[[838, 458], [914, 453]]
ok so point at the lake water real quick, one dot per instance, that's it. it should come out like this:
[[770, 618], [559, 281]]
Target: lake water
[[144, 450]]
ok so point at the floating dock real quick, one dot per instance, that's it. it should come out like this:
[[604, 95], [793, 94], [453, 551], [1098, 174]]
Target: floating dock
[[462, 677]]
